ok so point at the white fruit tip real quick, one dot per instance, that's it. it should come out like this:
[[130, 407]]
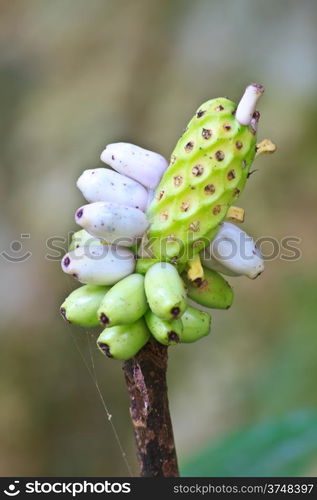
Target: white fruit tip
[[104, 155], [247, 104]]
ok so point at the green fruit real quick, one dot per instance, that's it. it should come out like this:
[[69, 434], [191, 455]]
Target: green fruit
[[207, 172], [81, 239], [80, 307], [123, 341], [196, 324], [124, 303], [165, 291], [143, 265], [212, 291], [165, 332]]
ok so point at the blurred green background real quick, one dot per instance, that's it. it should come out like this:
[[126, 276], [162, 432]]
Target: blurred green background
[[78, 74]]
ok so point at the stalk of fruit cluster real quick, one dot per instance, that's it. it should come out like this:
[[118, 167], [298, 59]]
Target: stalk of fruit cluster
[[145, 376]]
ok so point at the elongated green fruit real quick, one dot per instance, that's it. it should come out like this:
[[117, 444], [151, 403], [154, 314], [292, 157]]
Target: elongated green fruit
[[81, 306], [213, 291], [165, 291], [143, 265], [82, 239], [165, 332], [207, 172], [124, 303], [196, 324], [123, 341]]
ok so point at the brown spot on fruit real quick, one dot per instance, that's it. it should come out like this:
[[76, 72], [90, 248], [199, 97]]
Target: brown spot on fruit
[[216, 210], [160, 195], [227, 127], [200, 113], [206, 133], [244, 163], [201, 284], [198, 243], [209, 189], [173, 337], [219, 108], [185, 206], [231, 175], [220, 155], [175, 312], [197, 170], [197, 282], [104, 319], [189, 146], [105, 349], [194, 226], [178, 179], [164, 215], [239, 144], [236, 192], [171, 237]]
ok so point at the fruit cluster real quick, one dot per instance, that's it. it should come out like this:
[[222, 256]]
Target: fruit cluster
[[154, 234]]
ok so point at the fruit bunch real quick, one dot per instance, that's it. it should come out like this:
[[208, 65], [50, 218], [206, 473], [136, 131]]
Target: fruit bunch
[[153, 237]]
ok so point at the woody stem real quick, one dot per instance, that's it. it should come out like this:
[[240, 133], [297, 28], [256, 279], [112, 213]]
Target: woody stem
[[145, 376]]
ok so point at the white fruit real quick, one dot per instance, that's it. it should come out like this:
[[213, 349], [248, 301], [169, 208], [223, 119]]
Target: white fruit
[[246, 106], [100, 265], [112, 222], [103, 184], [234, 252], [215, 265], [140, 164], [151, 194]]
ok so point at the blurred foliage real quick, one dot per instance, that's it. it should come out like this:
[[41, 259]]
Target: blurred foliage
[[280, 447], [76, 75]]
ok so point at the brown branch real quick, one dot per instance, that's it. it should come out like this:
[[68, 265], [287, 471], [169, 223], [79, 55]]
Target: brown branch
[[145, 376]]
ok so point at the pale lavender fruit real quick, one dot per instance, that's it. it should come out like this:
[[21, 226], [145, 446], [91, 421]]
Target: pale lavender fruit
[[247, 104], [215, 265], [140, 164], [112, 222], [103, 184], [235, 251], [99, 265]]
